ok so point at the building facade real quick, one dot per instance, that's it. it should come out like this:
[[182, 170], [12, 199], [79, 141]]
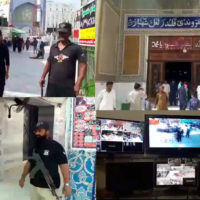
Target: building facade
[[28, 14], [85, 2], [57, 13], [5, 10], [135, 39]]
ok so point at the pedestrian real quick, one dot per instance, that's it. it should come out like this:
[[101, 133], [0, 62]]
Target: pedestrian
[[41, 52], [27, 43], [172, 94], [179, 135], [194, 102], [106, 99], [35, 42], [186, 88], [198, 92], [14, 41], [22, 43], [162, 100], [5, 42], [188, 132], [149, 103], [166, 88], [19, 44], [182, 97], [179, 85], [38, 45], [61, 66], [4, 64], [136, 97], [52, 156], [157, 87]]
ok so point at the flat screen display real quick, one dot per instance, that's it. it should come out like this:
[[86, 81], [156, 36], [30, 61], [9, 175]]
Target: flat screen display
[[169, 175], [174, 132], [126, 135]]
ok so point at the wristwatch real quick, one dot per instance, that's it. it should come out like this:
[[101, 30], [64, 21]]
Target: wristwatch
[[67, 184]]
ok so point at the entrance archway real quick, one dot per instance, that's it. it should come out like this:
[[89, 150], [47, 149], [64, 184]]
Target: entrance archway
[[173, 58]]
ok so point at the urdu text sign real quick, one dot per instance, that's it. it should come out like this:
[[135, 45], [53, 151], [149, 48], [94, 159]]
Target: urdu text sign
[[147, 22]]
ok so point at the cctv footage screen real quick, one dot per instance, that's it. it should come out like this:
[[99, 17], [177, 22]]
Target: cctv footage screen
[[130, 134], [168, 175], [174, 133]]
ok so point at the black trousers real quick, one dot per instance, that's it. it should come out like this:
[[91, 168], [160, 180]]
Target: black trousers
[[172, 98], [183, 105], [2, 85], [58, 91]]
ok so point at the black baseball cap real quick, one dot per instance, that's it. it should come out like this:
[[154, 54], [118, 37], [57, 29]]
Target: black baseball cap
[[137, 86], [65, 27], [42, 125], [109, 83]]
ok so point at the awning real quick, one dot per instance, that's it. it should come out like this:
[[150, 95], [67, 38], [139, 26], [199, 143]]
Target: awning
[[17, 31]]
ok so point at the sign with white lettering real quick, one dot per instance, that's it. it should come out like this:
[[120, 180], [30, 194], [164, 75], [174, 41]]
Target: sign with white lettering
[[149, 22], [174, 43], [87, 31]]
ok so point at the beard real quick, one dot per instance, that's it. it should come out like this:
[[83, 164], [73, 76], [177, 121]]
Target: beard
[[40, 140], [39, 137]]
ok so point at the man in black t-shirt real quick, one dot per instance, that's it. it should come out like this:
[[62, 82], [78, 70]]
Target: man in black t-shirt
[[61, 66], [52, 155], [4, 64]]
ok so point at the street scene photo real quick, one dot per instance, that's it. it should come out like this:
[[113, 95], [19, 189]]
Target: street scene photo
[[115, 130], [167, 175], [175, 133], [47, 48]]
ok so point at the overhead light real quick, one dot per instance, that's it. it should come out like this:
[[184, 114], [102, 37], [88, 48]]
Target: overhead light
[[184, 50]]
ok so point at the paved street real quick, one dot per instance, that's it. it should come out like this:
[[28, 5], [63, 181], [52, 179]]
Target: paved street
[[25, 74]]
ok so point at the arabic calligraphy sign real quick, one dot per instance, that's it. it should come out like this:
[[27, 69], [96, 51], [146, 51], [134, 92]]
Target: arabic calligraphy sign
[[141, 22], [174, 43]]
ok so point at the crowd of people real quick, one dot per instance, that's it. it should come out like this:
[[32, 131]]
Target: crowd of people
[[174, 94], [18, 44], [106, 99]]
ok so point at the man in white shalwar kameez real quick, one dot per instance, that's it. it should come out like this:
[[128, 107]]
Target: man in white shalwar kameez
[[136, 97], [106, 99], [198, 92]]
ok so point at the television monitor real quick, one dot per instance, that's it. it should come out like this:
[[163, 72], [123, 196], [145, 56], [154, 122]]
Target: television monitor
[[172, 134], [173, 175], [120, 136]]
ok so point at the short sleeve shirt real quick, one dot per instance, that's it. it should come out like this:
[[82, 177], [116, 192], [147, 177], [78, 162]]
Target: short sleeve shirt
[[52, 155], [63, 64]]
